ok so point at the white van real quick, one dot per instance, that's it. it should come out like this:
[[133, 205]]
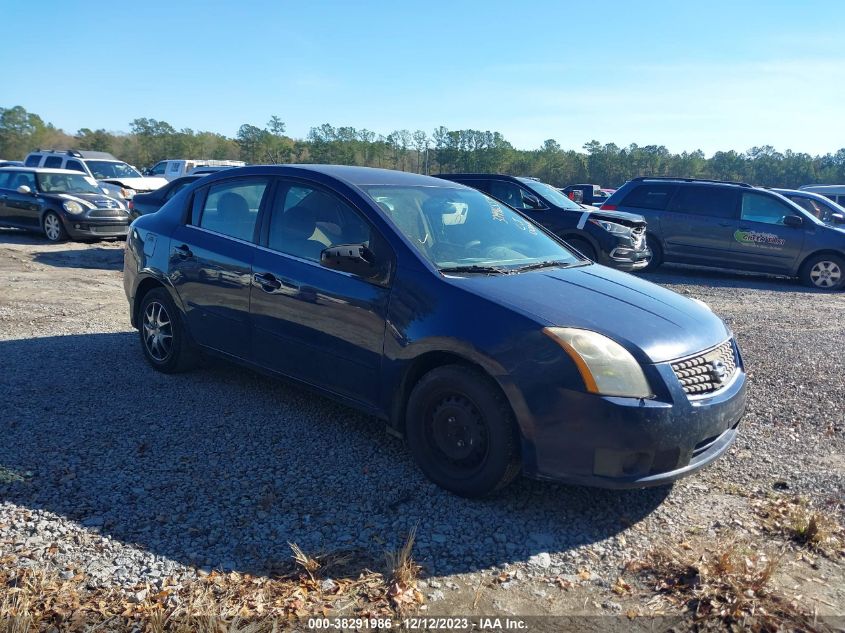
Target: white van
[[832, 192], [172, 169]]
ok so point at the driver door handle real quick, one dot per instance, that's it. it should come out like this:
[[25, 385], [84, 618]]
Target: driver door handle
[[267, 281]]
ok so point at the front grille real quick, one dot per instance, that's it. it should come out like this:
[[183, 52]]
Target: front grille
[[708, 372], [114, 229], [106, 213]]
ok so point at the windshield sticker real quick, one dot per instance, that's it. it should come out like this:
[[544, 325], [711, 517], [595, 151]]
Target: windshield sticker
[[497, 212], [753, 237]]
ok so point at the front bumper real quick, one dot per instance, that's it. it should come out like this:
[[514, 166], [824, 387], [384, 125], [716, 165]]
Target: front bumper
[[612, 442], [85, 227], [627, 253]]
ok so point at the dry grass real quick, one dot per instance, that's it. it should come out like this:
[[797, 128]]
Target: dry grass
[[32, 600], [803, 524], [403, 591], [727, 585]]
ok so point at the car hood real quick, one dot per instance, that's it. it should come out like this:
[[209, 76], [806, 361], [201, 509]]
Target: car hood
[[622, 217], [660, 323], [146, 183]]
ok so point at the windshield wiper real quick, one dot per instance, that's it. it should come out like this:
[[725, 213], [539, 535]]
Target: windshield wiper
[[474, 268], [550, 263]]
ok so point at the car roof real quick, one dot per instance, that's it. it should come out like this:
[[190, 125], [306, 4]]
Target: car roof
[[351, 175], [76, 153], [690, 181], [803, 193], [43, 170]]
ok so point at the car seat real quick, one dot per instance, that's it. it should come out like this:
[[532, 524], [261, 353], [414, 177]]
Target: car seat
[[234, 216]]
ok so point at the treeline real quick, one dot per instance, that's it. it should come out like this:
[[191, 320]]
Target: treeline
[[440, 151]]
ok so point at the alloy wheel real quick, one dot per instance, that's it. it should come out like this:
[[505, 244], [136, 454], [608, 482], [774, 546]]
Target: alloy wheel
[[158, 331], [826, 274], [52, 227]]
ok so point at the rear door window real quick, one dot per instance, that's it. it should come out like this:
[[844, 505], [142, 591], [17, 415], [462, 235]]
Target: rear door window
[[75, 165], [53, 162], [650, 196], [757, 207], [717, 202], [231, 208]]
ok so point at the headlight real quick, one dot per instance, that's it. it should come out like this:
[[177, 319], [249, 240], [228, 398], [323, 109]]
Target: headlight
[[606, 367], [72, 206], [612, 227]]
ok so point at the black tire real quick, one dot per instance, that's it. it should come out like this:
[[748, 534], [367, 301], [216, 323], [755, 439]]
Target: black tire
[[656, 254], [164, 340], [461, 431], [53, 227], [824, 271], [583, 247]]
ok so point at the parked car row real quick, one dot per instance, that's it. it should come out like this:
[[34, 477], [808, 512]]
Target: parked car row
[[737, 226]]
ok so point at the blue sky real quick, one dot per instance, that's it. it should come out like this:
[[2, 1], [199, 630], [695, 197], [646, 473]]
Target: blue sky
[[689, 75]]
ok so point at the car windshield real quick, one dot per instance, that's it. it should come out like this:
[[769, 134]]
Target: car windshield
[[102, 169], [67, 183], [551, 194], [464, 230]]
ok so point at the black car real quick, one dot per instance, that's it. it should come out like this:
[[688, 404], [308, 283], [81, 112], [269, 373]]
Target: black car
[[144, 203], [613, 239], [61, 203], [734, 225], [479, 336]]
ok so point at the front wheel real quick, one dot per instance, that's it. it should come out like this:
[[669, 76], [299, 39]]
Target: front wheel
[[583, 247], [461, 431], [825, 271], [163, 338], [53, 227], [656, 254]]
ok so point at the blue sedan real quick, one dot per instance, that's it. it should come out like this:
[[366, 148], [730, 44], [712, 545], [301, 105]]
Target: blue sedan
[[477, 335]]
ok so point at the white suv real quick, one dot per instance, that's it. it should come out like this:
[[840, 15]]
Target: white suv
[[118, 179]]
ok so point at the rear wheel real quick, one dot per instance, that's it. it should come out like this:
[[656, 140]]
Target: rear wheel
[[583, 247], [825, 271], [53, 227], [461, 431], [656, 254], [163, 338]]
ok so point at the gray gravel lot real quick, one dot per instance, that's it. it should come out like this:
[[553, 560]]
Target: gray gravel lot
[[138, 475]]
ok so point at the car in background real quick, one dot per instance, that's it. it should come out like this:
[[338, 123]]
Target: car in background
[[146, 203], [203, 170], [63, 204], [479, 336], [734, 225], [11, 163], [832, 192], [613, 239], [172, 169], [592, 195], [820, 206], [117, 178]]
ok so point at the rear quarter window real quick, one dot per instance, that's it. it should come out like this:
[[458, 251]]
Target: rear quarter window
[[648, 196], [32, 161]]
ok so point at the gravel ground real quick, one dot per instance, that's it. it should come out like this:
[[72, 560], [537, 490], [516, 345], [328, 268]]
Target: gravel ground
[[137, 476]]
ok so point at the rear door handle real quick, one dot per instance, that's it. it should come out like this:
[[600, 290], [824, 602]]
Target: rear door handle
[[267, 281], [184, 251]]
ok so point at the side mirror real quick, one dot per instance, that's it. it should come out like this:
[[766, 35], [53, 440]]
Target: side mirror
[[356, 259], [24, 189], [793, 220], [531, 201]]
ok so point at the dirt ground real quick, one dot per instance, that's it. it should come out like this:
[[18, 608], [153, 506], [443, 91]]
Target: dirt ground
[[73, 289]]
